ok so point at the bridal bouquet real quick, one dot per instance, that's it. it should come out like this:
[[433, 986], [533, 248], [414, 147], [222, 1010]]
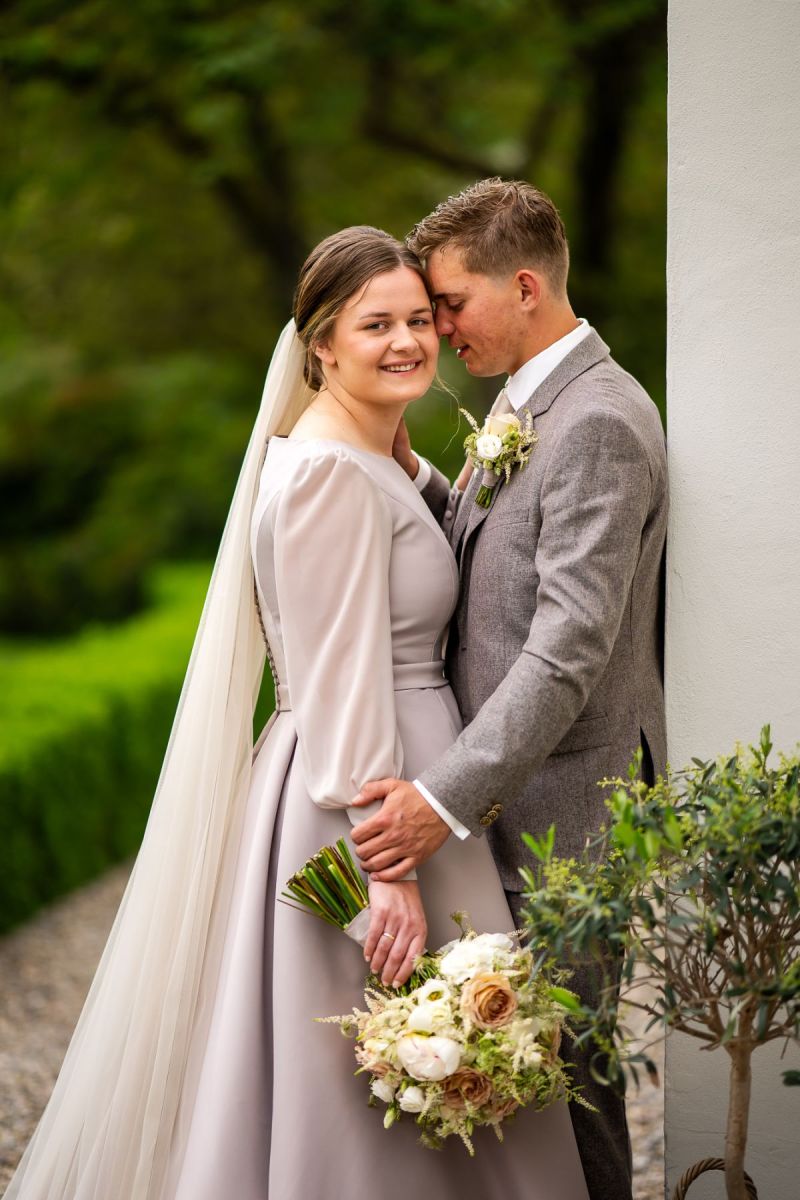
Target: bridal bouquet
[[471, 1037]]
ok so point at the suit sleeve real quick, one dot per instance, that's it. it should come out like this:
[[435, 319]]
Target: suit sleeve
[[333, 538], [595, 499], [441, 499]]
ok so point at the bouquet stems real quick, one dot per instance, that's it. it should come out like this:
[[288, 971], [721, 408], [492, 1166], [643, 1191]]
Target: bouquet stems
[[330, 886]]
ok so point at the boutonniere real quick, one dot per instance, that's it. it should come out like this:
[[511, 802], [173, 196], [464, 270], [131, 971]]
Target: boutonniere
[[502, 443]]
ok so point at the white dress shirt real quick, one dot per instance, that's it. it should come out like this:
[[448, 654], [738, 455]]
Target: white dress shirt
[[519, 387]]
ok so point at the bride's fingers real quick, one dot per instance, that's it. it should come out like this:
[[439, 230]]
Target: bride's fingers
[[416, 948], [396, 958], [379, 920], [383, 948]]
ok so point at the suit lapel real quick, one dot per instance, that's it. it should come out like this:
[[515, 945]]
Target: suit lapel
[[586, 354], [466, 503]]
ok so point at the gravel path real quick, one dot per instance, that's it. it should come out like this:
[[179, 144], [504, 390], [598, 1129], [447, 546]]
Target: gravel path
[[46, 967]]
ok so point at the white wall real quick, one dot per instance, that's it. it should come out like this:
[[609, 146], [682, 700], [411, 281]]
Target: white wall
[[733, 579]]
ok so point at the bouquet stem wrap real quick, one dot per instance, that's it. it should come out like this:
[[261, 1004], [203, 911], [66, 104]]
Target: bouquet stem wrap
[[359, 926], [488, 484]]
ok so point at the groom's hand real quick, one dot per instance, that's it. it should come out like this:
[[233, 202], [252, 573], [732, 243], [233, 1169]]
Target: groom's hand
[[403, 454], [406, 828]]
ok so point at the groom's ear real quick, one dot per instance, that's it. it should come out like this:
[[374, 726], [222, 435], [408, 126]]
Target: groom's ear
[[530, 288]]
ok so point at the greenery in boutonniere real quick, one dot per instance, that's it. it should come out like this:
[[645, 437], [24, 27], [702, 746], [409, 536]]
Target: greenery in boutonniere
[[502, 443], [697, 882]]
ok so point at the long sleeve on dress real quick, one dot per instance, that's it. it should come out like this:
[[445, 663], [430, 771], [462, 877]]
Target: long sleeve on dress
[[333, 539]]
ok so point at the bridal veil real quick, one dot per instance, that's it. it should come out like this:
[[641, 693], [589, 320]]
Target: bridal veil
[[110, 1128]]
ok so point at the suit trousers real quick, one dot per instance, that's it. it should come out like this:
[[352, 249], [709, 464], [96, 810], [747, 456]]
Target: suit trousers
[[603, 1142]]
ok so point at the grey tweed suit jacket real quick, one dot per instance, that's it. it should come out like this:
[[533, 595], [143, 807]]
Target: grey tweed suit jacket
[[555, 648]]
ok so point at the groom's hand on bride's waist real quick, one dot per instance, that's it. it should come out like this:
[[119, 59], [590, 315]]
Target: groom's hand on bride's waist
[[402, 835]]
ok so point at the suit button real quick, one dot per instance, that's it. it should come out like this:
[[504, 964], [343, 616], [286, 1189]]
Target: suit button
[[487, 819]]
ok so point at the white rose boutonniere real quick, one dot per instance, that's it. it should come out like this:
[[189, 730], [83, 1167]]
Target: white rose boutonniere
[[496, 447]]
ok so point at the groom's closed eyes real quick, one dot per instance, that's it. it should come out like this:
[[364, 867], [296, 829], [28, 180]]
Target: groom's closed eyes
[[453, 303]]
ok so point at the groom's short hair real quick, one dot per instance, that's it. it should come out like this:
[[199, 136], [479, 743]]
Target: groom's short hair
[[499, 226]]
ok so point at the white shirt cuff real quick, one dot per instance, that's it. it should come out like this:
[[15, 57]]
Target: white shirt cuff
[[422, 478], [458, 829]]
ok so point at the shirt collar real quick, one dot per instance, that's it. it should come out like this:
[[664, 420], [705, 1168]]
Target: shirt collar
[[524, 382]]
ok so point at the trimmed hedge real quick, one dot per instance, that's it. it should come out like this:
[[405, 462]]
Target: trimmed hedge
[[84, 726]]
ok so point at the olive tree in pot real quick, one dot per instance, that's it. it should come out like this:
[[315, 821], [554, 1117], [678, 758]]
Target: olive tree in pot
[[696, 883]]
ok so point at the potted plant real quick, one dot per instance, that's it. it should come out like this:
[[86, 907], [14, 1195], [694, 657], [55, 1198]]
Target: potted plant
[[696, 881]]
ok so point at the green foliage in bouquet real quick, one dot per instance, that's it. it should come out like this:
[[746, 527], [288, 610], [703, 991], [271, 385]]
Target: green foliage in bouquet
[[697, 881]]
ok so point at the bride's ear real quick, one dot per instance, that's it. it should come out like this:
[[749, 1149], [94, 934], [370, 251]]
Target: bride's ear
[[325, 354]]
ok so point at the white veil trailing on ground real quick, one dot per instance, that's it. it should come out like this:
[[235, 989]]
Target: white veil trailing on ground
[[110, 1129]]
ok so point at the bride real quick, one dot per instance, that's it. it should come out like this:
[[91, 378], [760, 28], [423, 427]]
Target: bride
[[196, 1071]]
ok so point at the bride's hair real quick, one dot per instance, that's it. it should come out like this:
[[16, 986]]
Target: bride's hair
[[334, 271]]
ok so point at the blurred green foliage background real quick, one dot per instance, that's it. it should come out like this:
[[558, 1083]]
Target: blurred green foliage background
[[164, 168]]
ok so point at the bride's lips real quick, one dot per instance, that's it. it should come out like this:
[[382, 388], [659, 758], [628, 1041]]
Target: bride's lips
[[402, 368]]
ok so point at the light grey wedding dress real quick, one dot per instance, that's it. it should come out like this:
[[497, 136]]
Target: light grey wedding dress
[[356, 584]]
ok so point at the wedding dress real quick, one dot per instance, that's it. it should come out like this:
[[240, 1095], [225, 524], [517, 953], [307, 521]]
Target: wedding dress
[[196, 1070], [356, 583]]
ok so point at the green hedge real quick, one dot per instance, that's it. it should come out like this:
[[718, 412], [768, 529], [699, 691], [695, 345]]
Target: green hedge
[[84, 725]]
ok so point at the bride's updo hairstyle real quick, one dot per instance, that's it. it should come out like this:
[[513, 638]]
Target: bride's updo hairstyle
[[335, 271]]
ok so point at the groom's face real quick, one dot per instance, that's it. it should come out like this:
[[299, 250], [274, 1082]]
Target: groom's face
[[478, 314]]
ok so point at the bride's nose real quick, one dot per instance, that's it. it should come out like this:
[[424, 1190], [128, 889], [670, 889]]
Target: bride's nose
[[403, 339]]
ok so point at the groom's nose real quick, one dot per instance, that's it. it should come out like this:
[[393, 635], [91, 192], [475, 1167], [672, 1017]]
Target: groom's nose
[[444, 324]]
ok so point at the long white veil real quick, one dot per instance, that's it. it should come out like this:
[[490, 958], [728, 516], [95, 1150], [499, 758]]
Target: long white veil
[[110, 1127]]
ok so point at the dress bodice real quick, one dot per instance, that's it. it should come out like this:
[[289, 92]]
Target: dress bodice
[[422, 574], [356, 584]]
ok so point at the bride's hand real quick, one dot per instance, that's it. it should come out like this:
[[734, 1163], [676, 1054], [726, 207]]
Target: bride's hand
[[396, 910]]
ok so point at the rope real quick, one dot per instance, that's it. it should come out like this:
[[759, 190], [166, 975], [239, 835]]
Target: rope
[[699, 1168]]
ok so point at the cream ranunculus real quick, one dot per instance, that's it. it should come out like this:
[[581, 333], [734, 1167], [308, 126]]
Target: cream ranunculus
[[488, 446], [429, 1057], [412, 1100], [429, 1017], [432, 990], [501, 423]]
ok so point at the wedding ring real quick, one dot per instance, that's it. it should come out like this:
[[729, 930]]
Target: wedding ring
[[389, 935]]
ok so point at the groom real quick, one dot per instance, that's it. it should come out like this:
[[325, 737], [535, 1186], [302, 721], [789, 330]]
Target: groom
[[554, 651]]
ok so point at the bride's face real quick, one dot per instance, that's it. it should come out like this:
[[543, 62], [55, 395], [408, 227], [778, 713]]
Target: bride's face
[[384, 346]]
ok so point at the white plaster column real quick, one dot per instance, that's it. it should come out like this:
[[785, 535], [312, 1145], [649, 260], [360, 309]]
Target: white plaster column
[[733, 576]]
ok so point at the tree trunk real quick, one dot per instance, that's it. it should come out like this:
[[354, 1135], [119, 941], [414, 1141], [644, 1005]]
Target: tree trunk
[[738, 1113], [615, 71]]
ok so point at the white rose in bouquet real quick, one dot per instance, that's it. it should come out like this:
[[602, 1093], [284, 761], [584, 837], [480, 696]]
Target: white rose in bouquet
[[429, 1057], [412, 1100], [488, 446]]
